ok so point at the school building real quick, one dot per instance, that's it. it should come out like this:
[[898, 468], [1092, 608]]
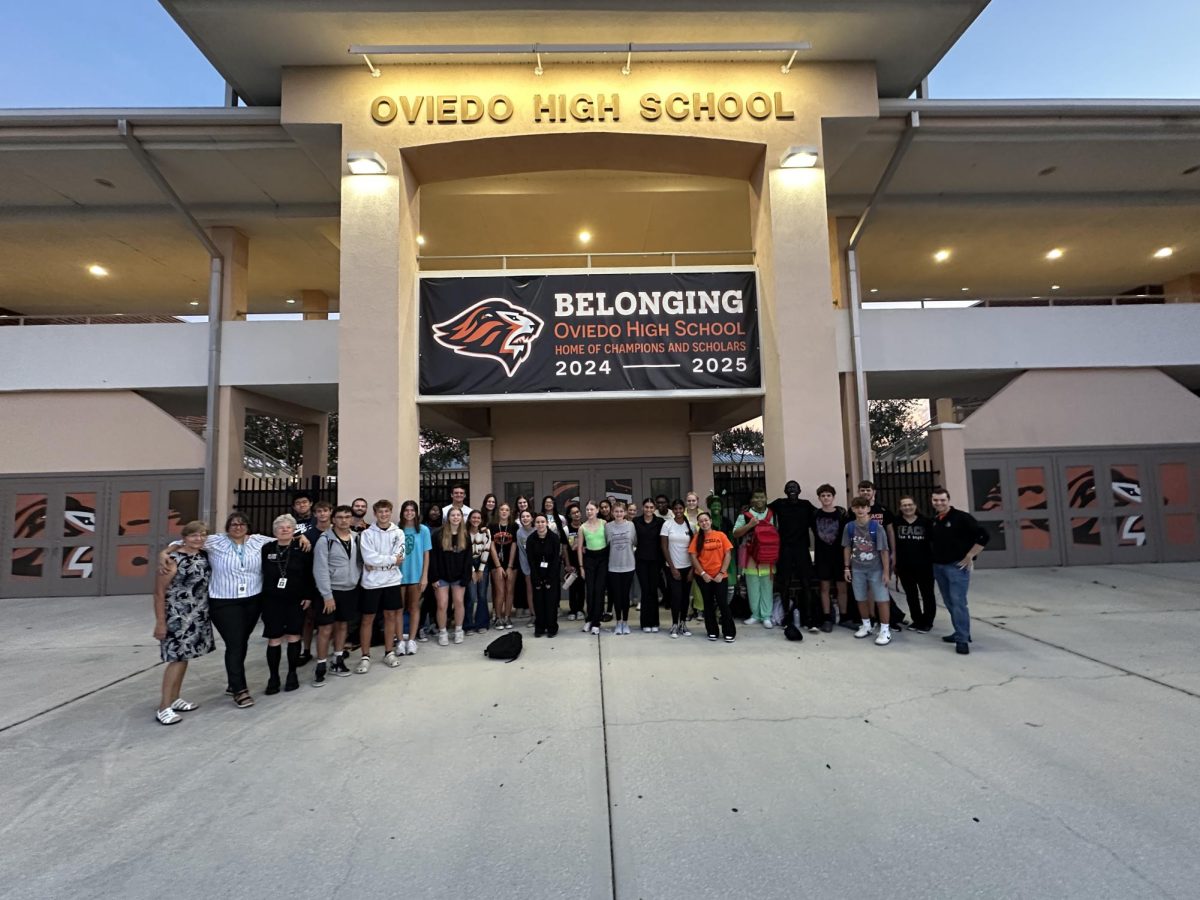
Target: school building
[[585, 238]]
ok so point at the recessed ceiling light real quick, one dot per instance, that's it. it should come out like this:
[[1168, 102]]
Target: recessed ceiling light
[[291, 299], [941, 256], [194, 303], [1055, 287], [1056, 253], [964, 290], [585, 237], [420, 240], [97, 270], [1164, 252], [874, 290]]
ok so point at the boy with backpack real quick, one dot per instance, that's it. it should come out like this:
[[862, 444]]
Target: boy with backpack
[[758, 554], [868, 565]]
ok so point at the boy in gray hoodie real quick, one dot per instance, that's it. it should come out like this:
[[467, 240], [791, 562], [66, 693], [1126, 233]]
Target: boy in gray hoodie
[[337, 569]]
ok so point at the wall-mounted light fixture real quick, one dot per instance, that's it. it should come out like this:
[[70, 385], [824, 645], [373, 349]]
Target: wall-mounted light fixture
[[799, 158], [365, 162]]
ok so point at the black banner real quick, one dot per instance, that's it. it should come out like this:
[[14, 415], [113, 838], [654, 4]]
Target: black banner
[[634, 331]]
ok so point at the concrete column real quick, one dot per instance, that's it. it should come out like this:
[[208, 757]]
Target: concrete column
[[700, 443], [798, 326], [377, 339], [315, 450], [942, 410], [315, 305], [235, 247], [947, 451], [231, 422], [479, 452]]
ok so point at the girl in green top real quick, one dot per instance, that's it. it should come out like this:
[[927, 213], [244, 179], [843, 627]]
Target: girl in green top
[[593, 561]]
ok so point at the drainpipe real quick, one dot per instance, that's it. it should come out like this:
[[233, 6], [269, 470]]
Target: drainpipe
[[860, 375], [208, 499]]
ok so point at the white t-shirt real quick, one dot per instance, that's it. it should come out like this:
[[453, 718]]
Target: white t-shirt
[[678, 536], [466, 511]]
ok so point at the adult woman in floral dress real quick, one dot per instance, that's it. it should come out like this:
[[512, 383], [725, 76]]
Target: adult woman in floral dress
[[181, 623]]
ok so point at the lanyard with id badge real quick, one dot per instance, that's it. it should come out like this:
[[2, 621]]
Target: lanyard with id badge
[[242, 587], [281, 562]]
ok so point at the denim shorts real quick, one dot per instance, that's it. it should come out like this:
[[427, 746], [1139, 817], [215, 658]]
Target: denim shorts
[[872, 579]]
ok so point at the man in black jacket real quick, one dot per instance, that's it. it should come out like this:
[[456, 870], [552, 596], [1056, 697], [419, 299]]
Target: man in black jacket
[[955, 540]]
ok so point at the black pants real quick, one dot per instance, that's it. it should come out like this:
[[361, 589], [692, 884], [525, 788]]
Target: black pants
[[716, 595], [680, 592], [235, 620], [575, 594], [595, 576], [619, 586], [545, 606], [649, 576], [797, 564], [918, 589]]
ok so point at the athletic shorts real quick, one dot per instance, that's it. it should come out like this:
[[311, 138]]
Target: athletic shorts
[[281, 615], [348, 603], [389, 599], [829, 562]]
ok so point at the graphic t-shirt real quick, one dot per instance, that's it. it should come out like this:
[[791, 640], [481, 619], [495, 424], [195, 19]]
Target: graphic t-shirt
[[710, 548], [307, 526], [416, 543], [621, 538], [828, 526], [865, 551], [679, 536], [913, 550]]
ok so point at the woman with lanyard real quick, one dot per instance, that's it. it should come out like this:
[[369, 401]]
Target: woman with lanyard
[[504, 566], [675, 538], [649, 562], [234, 593], [287, 592], [592, 556], [477, 588], [544, 552]]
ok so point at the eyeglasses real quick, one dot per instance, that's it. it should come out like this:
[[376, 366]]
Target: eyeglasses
[[238, 525]]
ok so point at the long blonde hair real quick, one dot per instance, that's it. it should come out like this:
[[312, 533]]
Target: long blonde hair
[[451, 541]]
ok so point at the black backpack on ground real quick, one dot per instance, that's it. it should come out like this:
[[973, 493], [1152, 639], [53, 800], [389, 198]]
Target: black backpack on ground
[[506, 647], [793, 633]]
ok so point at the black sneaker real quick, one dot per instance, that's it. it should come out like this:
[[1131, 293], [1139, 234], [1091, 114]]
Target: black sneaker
[[340, 669], [292, 682], [607, 617], [272, 685], [962, 648], [827, 626], [305, 658], [319, 675]]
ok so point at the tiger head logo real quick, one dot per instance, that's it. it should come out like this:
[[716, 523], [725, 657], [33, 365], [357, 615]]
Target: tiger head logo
[[491, 329]]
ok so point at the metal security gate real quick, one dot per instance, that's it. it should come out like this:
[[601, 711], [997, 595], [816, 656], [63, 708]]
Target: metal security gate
[[1088, 506], [262, 499], [93, 534], [915, 478]]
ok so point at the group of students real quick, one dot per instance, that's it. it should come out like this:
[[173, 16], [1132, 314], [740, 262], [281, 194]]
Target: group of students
[[327, 574]]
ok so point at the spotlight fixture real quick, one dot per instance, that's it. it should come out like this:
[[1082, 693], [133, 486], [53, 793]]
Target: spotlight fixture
[[1056, 253], [97, 270], [585, 237], [964, 290], [365, 162], [941, 256], [1055, 287], [1164, 252], [291, 300], [420, 240], [799, 158], [874, 290], [193, 303]]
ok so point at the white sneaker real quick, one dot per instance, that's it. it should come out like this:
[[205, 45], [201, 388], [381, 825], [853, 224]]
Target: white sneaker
[[364, 666], [885, 636], [443, 638], [752, 621], [654, 630], [411, 648], [674, 631], [402, 646], [864, 630], [458, 636], [767, 623], [595, 629], [391, 660]]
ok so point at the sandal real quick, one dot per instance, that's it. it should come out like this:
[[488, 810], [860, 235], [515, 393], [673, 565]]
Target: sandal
[[168, 716], [242, 699], [184, 706]]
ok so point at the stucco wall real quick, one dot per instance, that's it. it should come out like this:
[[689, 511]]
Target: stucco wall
[[91, 431], [553, 431], [1086, 408]]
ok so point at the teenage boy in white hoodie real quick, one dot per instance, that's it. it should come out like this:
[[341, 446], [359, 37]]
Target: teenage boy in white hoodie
[[382, 553]]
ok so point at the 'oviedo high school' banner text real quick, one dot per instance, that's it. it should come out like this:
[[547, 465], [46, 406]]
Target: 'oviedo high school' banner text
[[580, 333]]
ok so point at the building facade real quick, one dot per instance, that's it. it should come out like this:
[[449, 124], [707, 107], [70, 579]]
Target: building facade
[[586, 240]]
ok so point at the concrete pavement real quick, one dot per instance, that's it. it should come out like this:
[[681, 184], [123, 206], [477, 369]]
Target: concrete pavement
[[1056, 760]]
